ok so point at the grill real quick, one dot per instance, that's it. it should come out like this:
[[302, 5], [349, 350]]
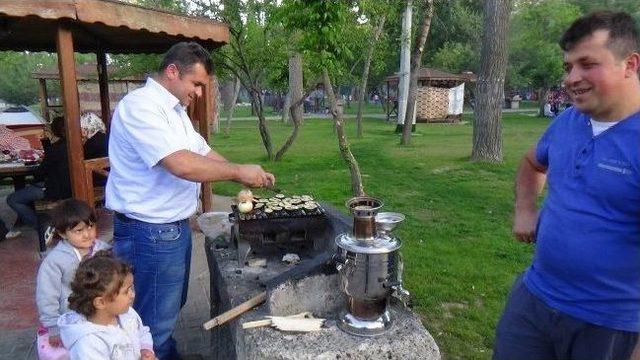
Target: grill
[[277, 223]]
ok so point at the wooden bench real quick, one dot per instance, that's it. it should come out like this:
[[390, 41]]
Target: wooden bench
[[95, 194]]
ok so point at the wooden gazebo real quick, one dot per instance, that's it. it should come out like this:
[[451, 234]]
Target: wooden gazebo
[[102, 27], [433, 94], [88, 88]]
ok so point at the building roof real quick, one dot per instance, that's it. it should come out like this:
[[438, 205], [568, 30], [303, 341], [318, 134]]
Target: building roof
[[120, 28], [84, 72], [435, 74], [19, 115]]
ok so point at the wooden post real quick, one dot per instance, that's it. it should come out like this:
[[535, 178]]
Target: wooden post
[[44, 100], [71, 103], [203, 111], [103, 82]]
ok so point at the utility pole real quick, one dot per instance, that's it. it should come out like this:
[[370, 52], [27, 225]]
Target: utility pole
[[405, 65]]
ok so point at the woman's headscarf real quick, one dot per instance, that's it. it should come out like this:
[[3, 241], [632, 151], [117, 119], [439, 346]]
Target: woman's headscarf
[[10, 141], [90, 125]]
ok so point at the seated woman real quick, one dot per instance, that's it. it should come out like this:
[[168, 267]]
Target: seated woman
[[52, 178], [94, 136]]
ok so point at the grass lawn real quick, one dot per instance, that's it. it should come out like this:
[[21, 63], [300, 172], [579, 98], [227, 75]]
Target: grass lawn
[[460, 257], [245, 110]]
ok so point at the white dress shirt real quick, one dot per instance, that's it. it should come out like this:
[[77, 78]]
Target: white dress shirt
[[149, 124]]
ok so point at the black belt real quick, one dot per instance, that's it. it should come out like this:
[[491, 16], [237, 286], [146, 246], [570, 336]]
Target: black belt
[[122, 217]]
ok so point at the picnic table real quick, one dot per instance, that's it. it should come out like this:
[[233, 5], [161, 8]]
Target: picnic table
[[18, 171]]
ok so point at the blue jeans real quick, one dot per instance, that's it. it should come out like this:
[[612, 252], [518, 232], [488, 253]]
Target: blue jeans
[[21, 202], [531, 330], [161, 257]]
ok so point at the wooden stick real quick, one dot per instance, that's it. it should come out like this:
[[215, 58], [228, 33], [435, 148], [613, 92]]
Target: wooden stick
[[236, 311], [257, 323], [268, 321]]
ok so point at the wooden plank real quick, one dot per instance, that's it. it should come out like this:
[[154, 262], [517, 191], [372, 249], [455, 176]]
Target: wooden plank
[[71, 104], [202, 110], [236, 311], [139, 18], [103, 82], [46, 9]]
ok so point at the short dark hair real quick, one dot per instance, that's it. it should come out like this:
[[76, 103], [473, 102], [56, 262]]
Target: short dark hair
[[71, 212], [100, 275], [623, 31], [186, 54], [57, 127]]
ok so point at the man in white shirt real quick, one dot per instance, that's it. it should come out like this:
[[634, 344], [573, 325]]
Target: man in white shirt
[[157, 161]]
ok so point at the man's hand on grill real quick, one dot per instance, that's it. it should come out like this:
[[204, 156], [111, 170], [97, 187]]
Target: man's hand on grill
[[255, 176]]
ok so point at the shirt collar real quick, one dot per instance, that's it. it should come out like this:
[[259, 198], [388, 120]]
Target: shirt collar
[[167, 98]]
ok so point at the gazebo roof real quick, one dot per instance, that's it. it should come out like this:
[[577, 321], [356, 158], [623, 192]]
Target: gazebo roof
[[118, 27], [435, 74]]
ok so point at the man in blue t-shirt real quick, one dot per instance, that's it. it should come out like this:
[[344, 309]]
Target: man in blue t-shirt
[[580, 298]]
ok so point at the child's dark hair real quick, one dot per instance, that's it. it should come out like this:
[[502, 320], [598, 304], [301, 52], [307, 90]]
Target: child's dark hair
[[100, 275], [71, 212]]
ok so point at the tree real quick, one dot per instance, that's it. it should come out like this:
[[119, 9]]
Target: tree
[[322, 25], [19, 87], [254, 48], [232, 89], [487, 127], [296, 84], [416, 64], [535, 59], [365, 73]]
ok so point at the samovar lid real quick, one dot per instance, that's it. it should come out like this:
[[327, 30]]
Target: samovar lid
[[378, 245]]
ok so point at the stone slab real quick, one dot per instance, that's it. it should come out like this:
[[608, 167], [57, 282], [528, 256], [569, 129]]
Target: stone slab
[[232, 284]]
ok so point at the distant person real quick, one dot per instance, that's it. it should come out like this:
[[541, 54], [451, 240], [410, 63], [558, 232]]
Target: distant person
[[157, 163], [547, 110], [75, 224], [580, 298], [102, 323]]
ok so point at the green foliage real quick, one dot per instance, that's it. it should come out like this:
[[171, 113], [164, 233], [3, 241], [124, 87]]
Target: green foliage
[[136, 64], [535, 58], [457, 57], [324, 29], [16, 84], [460, 256], [455, 36]]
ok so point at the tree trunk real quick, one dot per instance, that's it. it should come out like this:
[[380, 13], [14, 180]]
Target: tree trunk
[[487, 127], [365, 73], [295, 84], [230, 106], [542, 99], [356, 178], [284, 117], [296, 119], [416, 62], [262, 122]]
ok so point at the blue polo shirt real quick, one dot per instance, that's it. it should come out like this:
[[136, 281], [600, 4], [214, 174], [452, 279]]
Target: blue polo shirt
[[587, 259]]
